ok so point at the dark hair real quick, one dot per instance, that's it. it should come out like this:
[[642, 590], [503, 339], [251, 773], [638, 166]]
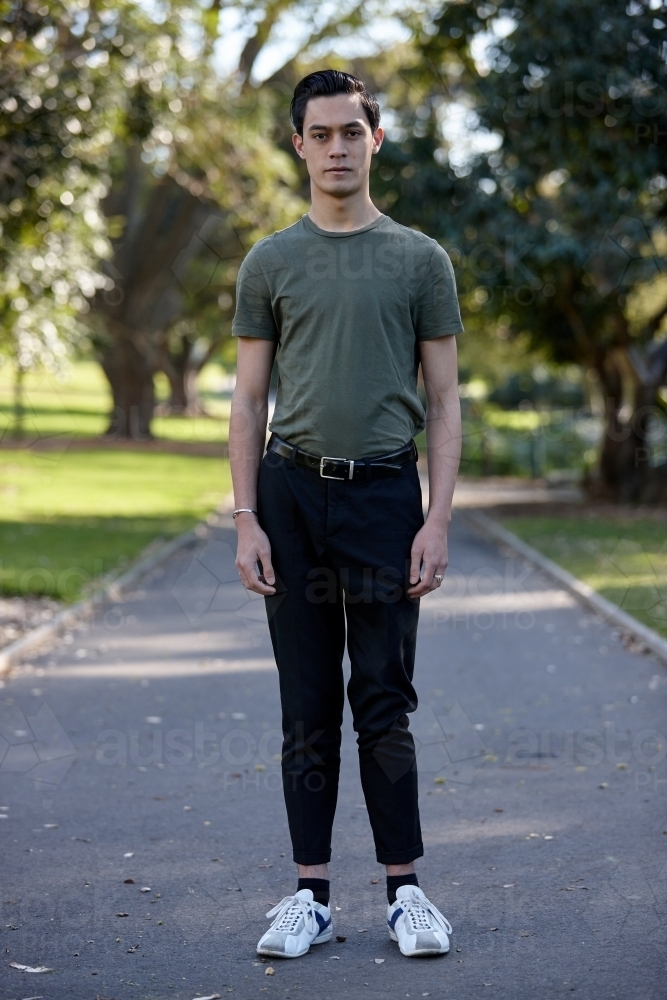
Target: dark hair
[[325, 83]]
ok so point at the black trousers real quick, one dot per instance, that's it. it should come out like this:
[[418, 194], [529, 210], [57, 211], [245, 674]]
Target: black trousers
[[341, 552]]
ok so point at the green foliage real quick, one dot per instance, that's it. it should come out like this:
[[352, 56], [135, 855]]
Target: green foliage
[[527, 140]]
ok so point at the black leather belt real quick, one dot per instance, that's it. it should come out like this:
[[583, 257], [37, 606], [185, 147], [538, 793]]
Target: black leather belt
[[380, 466]]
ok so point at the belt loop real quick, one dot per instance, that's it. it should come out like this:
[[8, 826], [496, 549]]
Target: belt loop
[[367, 465], [292, 458]]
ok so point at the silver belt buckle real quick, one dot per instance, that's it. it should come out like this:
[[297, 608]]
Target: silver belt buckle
[[331, 458]]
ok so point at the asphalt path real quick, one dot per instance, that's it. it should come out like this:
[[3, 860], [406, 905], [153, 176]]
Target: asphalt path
[[144, 834]]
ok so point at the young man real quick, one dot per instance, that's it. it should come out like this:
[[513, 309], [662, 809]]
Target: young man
[[349, 303]]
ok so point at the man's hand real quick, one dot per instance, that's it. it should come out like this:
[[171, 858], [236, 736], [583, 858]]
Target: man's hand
[[253, 556], [428, 556]]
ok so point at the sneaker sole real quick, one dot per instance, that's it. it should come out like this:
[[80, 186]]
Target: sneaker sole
[[419, 954], [320, 939]]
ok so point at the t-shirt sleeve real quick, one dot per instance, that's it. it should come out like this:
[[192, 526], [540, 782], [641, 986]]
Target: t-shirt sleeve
[[437, 311], [254, 312]]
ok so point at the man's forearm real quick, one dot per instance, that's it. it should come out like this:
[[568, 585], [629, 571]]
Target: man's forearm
[[247, 434], [443, 448]]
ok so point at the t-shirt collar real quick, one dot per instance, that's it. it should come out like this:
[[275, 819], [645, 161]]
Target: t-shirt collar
[[309, 224]]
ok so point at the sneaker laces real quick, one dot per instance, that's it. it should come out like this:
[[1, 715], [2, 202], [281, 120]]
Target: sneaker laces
[[288, 913], [421, 912]]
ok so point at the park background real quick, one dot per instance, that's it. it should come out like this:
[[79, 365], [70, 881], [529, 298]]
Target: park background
[[145, 147]]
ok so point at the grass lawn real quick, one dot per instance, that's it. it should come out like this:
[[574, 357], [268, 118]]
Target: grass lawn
[[78, 407], [67, 517], [623, 558]]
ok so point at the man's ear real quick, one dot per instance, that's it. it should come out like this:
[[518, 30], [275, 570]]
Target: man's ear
[[297, 142], [378, 136]]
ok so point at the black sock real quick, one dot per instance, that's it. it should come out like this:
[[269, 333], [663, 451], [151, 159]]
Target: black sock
[[319, 888], [395, 882]]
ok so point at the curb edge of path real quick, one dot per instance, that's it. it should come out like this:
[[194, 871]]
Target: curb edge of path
[[611, 612], [108, 589]]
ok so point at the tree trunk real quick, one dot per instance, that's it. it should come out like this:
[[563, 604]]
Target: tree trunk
[[19, 407], [625, 471], [131, 379], [183, 386]]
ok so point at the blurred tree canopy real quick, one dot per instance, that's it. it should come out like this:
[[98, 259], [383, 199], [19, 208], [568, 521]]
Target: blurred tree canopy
[[530, 141]]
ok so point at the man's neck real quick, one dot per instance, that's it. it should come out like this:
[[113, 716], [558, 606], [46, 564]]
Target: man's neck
[[342, 215]]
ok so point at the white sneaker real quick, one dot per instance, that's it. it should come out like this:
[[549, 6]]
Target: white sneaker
[[299, 922], [417, 925]]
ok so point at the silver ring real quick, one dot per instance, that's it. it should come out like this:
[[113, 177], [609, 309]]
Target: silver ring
[[439, 577]]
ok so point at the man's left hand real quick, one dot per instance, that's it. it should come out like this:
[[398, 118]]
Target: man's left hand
[[428, 559]]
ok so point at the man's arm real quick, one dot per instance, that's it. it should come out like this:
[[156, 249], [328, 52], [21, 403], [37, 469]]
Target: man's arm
[[247, 434], [443, 448]]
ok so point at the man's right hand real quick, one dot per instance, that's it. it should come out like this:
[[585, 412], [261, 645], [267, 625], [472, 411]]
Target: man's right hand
[[253, 556]]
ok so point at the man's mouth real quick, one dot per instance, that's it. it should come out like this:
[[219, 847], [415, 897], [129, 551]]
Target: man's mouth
[[337, 170]]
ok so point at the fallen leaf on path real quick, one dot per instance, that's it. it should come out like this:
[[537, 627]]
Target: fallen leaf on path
[[340, 938], [187, 809], [265, 866], [121, 914], [493, 928], [84, 840], [509, 885], [145, 888], [29, 968], [362, 930], [269, 971], [128, 881], [498, 810], [378, 961], [211, 996], [524, 933], [335, 958], [548, 837], [50, 826], [129, 854], [374, 881], [132, 949]]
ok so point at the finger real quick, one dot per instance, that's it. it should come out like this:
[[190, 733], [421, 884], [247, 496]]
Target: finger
[[251, 580], [427, 582], [266, 566], [428, 571], [415, 565]]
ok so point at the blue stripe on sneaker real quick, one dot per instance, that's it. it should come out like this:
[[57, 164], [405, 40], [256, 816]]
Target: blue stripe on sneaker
[[396, 915], [321, 922]]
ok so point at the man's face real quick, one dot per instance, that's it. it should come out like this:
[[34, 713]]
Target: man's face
[[337, 144]]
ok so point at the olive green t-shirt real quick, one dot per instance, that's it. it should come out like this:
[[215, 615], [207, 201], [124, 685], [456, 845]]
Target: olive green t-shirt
[[347, 312]]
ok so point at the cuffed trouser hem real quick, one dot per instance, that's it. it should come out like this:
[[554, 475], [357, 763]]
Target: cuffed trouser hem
[[303, 858], [397, 857]]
